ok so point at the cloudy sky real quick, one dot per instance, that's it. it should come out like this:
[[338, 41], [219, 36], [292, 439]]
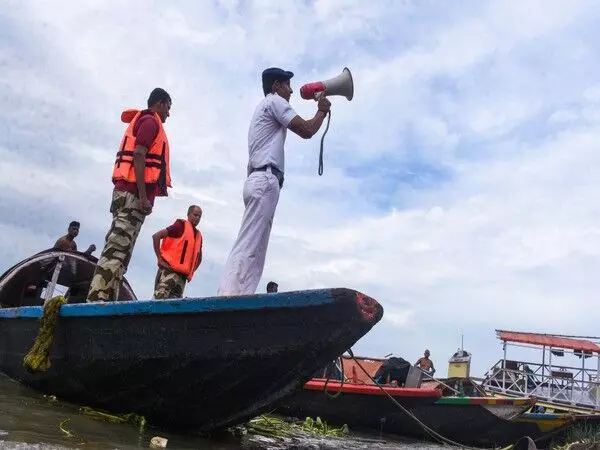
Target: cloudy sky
[[461, 185]]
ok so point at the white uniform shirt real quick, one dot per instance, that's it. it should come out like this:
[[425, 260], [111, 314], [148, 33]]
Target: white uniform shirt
[[268, 129]]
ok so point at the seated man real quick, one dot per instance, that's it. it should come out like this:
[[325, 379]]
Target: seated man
[[425, 364], [178, 256], [67, 242]]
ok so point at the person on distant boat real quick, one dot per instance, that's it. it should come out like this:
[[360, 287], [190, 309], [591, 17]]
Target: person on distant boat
[[425, 364], [141, 173], [266, 138], [272, 287], [67, 242], [179, 255]]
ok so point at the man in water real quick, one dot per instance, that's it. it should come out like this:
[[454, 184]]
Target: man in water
[[266, 138], [67, 242], [272, 287]]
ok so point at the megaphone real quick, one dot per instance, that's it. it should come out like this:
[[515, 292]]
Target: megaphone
[[340, 85]]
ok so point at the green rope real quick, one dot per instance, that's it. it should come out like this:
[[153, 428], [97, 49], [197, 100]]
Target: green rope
[[38, 357]]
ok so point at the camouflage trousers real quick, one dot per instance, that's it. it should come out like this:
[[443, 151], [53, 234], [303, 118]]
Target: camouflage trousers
[[168, 284], [126, 225]]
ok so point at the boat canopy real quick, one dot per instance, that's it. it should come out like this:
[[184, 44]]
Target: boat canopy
[[33, 280], [548, 340]]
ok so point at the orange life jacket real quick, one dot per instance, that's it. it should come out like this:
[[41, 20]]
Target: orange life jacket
[[157, 159], [183, 253]]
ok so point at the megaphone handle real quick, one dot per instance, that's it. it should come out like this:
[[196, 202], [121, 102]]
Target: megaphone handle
[[322, 138]]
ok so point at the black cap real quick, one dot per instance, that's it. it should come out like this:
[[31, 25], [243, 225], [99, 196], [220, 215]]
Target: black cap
[[275, 73]]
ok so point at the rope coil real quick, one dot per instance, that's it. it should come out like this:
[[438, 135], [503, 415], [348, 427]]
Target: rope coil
[[38, 357]]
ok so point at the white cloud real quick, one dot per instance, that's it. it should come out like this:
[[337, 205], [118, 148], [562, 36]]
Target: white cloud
[[460, 183]]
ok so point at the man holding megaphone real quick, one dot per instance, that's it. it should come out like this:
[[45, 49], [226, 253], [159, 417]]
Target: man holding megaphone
[[266, 138]]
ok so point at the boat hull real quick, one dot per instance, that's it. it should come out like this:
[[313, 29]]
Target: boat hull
[[193, 364], [476, 421]]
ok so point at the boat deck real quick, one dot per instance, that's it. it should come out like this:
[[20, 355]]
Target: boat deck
[[575, 388]]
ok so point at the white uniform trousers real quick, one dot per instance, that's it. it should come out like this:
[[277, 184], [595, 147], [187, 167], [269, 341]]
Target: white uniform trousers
[[245, 264]]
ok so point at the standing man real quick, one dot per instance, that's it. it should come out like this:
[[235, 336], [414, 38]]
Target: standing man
[[272, 287], [266, 138], [67, 242], [141, 172], [178, 256], [425, 364]]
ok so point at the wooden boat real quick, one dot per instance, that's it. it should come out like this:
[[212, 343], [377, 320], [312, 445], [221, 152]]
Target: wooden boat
[[193, 364], [361, 404]]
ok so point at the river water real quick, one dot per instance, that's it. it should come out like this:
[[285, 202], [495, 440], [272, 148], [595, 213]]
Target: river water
[[29, 420]]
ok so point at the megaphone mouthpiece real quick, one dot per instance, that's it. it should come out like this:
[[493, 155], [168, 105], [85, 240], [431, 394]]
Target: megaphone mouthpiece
[[310, 90]]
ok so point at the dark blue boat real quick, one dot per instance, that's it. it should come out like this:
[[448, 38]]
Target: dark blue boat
[[194, 364]]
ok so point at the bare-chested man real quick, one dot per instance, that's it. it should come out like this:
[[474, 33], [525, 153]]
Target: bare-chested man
[[67, 242], [425, 364]]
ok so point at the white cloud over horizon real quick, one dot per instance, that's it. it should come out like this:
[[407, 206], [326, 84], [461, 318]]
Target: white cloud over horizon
[[460, 185]]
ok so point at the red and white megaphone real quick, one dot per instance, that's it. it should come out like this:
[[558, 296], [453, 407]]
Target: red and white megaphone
[[340, 85]]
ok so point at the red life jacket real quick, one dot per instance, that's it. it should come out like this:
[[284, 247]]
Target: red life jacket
[[183, 253], [157, 168]]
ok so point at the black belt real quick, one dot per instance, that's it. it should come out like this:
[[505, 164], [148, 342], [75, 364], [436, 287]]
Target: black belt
[[274, 170]]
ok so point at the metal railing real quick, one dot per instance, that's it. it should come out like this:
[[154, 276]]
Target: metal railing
[[554, 384]]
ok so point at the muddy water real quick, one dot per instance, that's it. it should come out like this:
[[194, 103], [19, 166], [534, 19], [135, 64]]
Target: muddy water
[[28, 420]]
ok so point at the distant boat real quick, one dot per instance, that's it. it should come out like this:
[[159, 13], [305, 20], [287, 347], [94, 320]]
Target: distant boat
[[476, 420], [194, 364], [557, 385]]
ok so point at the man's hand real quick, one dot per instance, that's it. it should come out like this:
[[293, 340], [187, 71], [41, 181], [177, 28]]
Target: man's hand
[[324, 104], [145, 205], [91, 248]]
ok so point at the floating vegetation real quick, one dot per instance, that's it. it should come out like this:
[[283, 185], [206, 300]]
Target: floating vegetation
[[68, 433], [132, 418], [581, 436], [51, 398], [269, 425]]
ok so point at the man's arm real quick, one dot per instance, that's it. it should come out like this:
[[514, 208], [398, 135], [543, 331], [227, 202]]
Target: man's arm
[[199, 261], [156, 238], [90, 249], [144, 137], [139, 166], [306, 129]]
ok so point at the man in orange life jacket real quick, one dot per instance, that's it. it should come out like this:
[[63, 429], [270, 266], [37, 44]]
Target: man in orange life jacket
[[179, 255], [141, 172]]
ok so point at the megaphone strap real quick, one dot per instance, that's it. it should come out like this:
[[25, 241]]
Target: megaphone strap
[[322, 138]]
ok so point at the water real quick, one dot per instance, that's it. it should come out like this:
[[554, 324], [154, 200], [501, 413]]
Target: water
[[28, 420]]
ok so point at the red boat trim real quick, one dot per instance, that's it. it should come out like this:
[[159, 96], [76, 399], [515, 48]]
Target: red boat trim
[[370, 389]]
